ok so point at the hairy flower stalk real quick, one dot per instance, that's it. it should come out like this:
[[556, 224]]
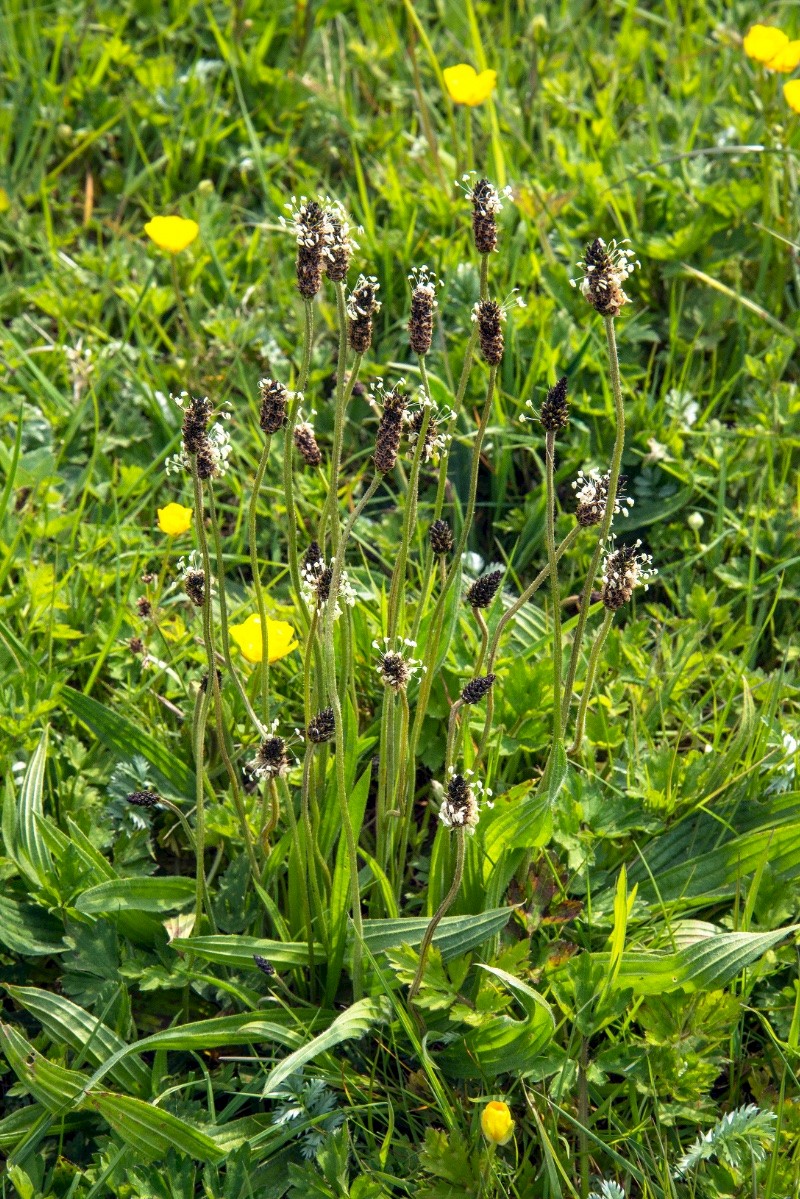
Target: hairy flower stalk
[[605, 525], [459, 811], [272, 418], [208, 641], [554, 416]]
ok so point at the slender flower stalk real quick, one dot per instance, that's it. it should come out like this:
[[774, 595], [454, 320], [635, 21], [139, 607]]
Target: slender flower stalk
[[605, 526], [506, 619], [441, 911], [555, 592], [223, 611], [335, 703], [591, 669], [213, 676], [288, 451], [259, 590]]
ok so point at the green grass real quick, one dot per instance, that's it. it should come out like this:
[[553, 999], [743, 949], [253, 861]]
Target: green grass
[[621, 121]]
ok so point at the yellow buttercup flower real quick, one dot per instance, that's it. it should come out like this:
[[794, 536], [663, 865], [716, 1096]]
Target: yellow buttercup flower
[[466, 86], [786, 59], [763, 42], [281, 639], [791, 94], [496, 1122], [172, 233], [174, 519]]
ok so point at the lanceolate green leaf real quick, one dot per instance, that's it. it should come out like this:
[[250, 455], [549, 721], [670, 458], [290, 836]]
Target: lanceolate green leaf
[[352, 1024], [29, 838], [29, 930], [151, 1130], [137, 895], [65, 1022], [455, 934], [236, 951], [126, 739], [706, 965]]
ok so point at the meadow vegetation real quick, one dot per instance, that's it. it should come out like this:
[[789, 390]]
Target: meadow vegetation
[[398, 624]]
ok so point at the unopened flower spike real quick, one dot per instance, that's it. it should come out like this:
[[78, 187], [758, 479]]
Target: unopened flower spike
[[554, 412], [395, 665], [486, 202], [321, 727], [591, 495], [423, 304], [481, 593], [489, 316], [604, 270], [623, 570], [441, 538]]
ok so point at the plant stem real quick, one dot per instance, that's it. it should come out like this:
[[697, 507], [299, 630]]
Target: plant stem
[[605, 527], [586, 694], [256, 572], [410, 515], [583, 1116], [213, 680], [333, 698], [440, 912], [223, 611], [484, 628], [555, 592], [288, 450], [180, 300], [311, 854], [198, 739]]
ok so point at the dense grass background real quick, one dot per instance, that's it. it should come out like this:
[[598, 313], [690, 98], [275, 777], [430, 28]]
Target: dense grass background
[[644, 122]]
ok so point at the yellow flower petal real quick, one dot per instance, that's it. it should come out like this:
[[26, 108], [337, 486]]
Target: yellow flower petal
[[465, 86], [791, 94], [281, 639], [174, 519], [172, 233], [763, 42], [496, 1122], [786, 59]]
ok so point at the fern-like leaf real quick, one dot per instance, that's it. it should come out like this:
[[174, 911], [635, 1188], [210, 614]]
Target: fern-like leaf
[[740, 1137]]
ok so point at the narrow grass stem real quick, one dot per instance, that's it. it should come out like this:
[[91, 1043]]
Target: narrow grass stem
[[605, 527], [442, 909], [452, 725], [187, 320], [555, 591], [311, 849], [198, 741], [480, 620], [591, 669], [410, 515]]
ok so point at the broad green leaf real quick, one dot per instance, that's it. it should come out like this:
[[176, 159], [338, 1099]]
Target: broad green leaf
[[29, 930], [69, 1024], [151, 1130], [502, 1045], [235, 951], [352, 1024], [125, 739], [29, 837], [454, 936], [706, 965], [162, 894]]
